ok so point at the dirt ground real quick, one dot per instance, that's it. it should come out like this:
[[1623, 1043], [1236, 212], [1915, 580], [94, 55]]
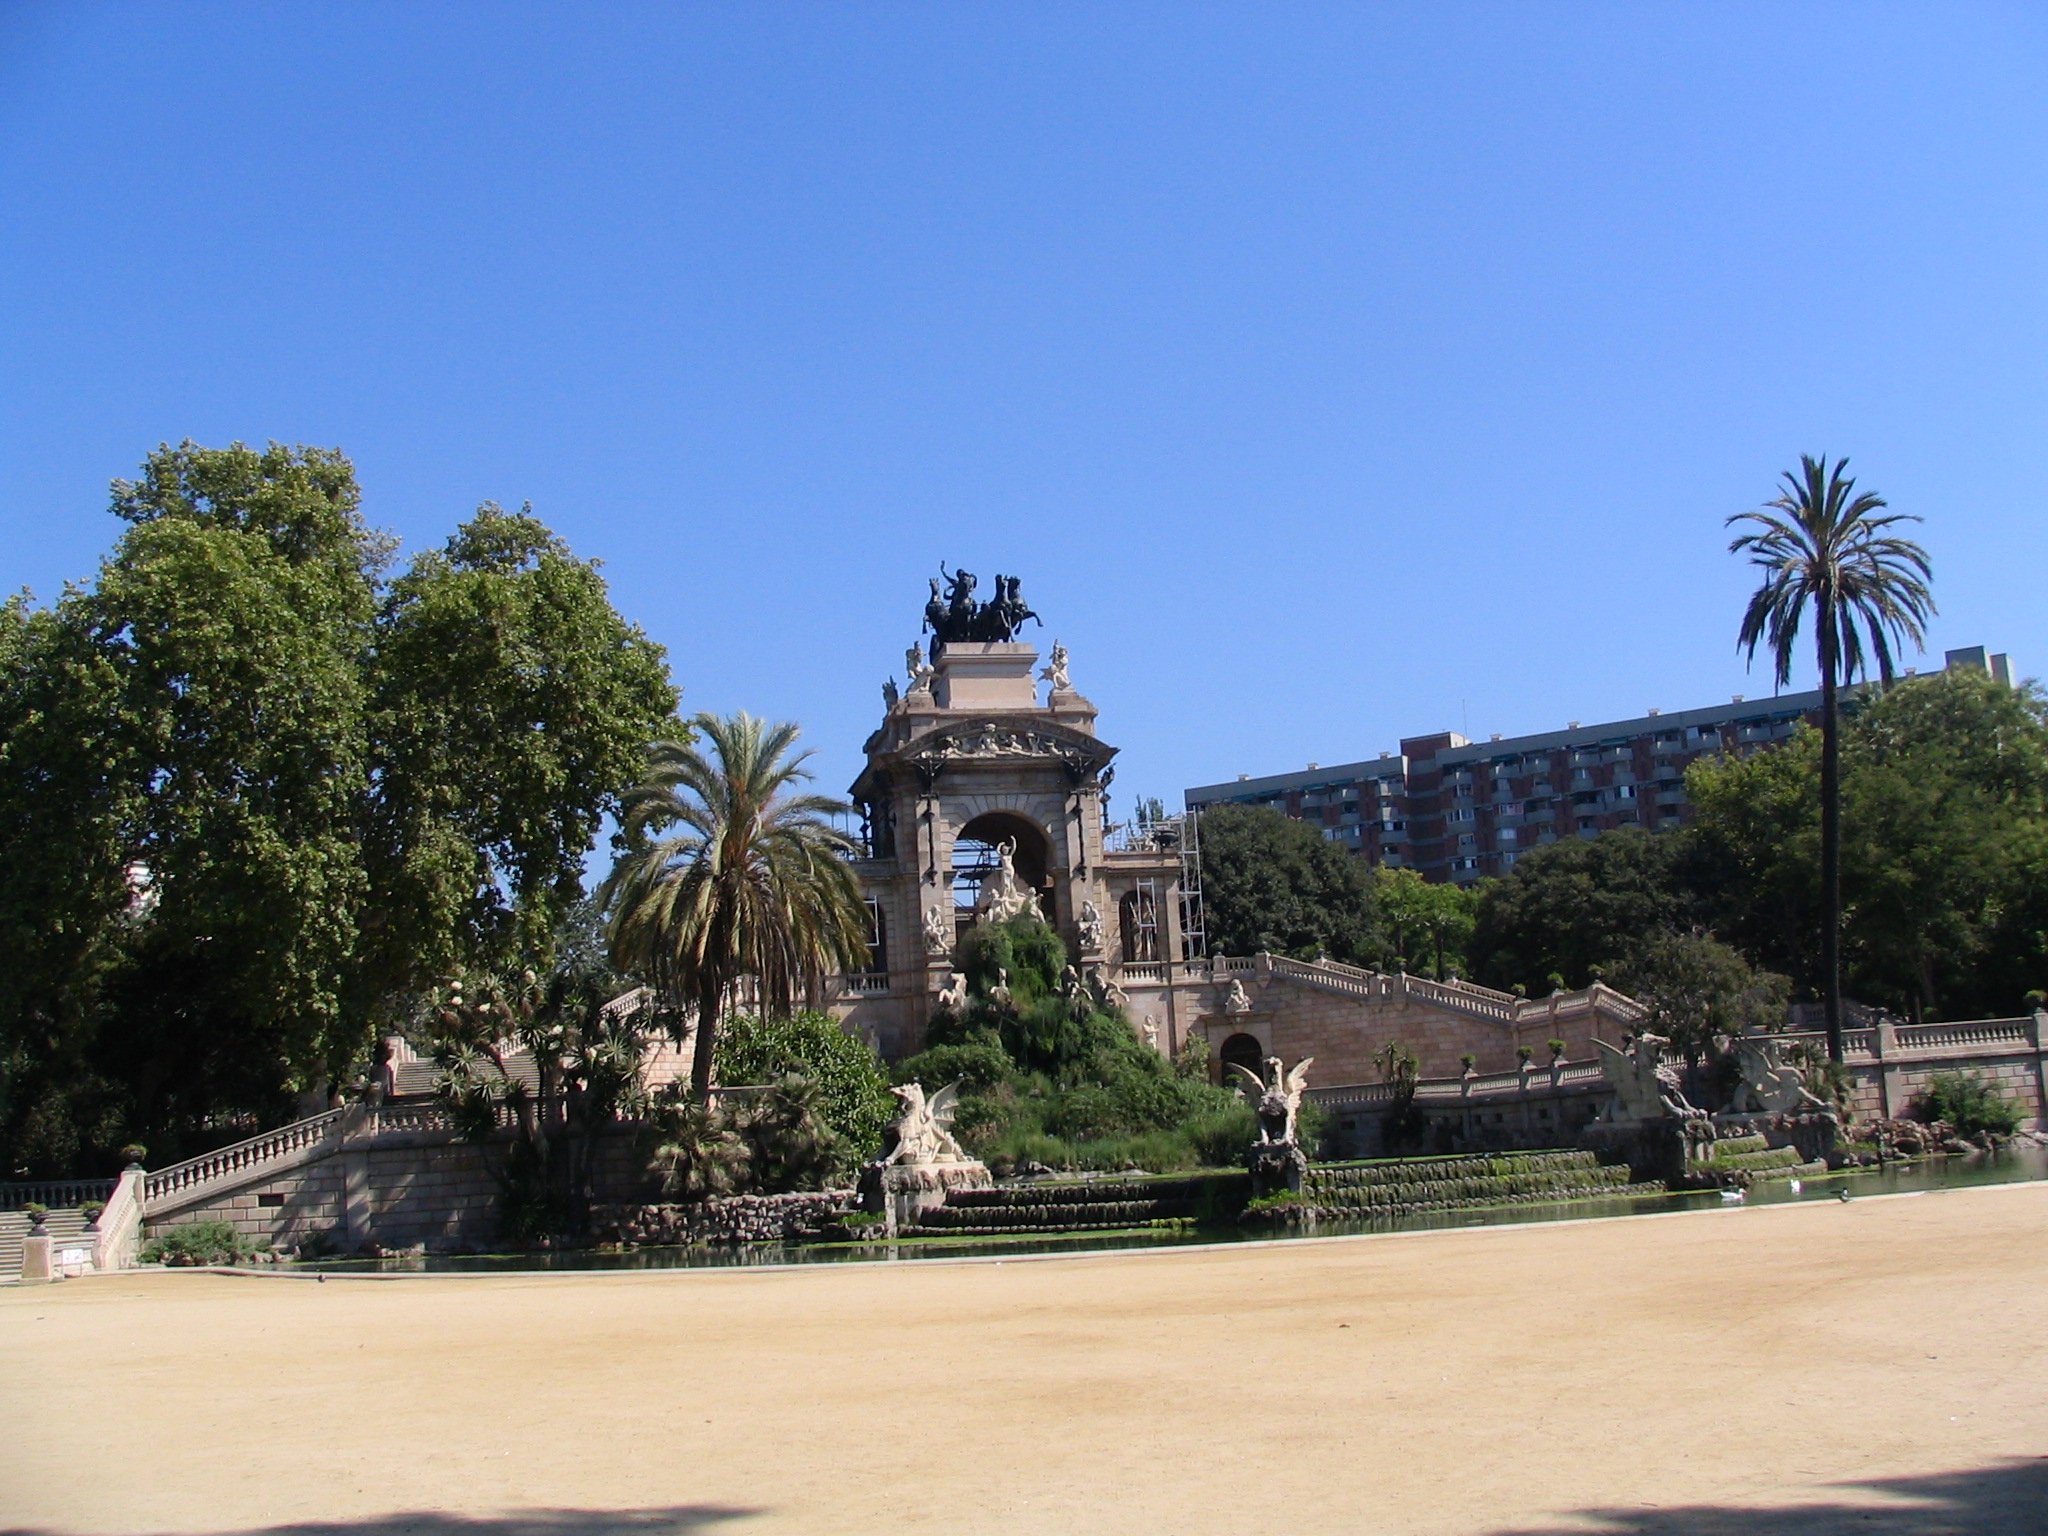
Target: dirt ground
[[1880, 1366]]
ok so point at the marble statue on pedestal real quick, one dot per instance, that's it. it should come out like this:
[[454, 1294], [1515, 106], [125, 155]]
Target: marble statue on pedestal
[[1004, 896], [1091, 928], [1055, 670], [917, 669], [938, 929], [1277, 1160], [1234, 998], [927, 1161]]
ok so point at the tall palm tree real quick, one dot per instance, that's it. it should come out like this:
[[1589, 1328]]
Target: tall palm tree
[[729, 872], [1822, 547]]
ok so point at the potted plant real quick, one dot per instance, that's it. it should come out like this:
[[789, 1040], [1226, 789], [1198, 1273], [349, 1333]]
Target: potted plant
[[1470, 1063], [35, 1211], [133, 1154], [1556, 1050], [92, 1209], [1525, 1054]]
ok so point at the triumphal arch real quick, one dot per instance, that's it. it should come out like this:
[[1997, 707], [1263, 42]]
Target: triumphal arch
[[983, 797]]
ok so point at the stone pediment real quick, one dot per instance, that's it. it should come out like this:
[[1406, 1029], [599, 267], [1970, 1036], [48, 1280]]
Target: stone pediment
[[1003, 739]]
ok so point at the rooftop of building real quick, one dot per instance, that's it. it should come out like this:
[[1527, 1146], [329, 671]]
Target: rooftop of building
[[1447, 749]]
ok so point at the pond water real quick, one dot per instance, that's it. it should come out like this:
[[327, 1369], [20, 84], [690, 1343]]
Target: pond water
[[2015, 1165]]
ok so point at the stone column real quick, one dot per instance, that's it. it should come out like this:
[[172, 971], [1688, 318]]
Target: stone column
[[1884, 1045]]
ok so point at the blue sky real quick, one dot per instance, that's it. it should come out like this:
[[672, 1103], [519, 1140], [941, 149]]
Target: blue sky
[[1328, 373]]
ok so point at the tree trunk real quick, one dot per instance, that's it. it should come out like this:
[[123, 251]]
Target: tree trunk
[[1830, 835], [707, 1043]]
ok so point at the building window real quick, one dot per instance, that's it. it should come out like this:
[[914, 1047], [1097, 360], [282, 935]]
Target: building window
[[878, 939], [1139, 921]]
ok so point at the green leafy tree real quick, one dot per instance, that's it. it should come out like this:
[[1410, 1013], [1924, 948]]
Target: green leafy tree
[[219, 768], [1695, 987], [1574, 907], [234, 617], [1945, 868], [1271, 884], [1754, 843], [1422, 919], [510, 706], [729, 872], [1945, 858], [1823, 547]]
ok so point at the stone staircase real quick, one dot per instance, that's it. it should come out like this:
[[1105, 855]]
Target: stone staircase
[[66, 1229], [1405, 1186], [1083, 1205], [1735, 1161]]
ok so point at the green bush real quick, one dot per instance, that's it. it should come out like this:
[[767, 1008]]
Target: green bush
[[198, 1242], [1280, 1208], [1970, 1104], [852, 1092], [1051, 1074], [776, 1141]]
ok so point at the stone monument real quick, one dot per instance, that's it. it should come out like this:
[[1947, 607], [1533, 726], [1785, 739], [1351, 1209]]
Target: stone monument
[[984, 799]]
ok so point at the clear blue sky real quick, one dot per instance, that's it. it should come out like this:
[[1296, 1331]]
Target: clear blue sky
[[1329, 373]]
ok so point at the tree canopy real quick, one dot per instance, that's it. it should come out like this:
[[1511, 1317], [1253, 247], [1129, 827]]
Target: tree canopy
[[254, 798], [1271, 884], [1572, 908]]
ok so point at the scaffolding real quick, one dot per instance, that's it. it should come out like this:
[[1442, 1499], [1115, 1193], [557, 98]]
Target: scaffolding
[[1194, 936]]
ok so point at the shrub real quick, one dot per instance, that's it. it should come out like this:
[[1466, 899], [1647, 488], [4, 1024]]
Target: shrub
[[1279, 1209], [772, 1142], [1556, 1049], [852, 1092], [198, 1242], [1970, 1104]]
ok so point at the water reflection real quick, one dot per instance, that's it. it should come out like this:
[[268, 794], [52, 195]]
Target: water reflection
[[2015, 1165]]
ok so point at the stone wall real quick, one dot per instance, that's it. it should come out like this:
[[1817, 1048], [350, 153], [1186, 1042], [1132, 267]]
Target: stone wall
[[1549, 1104], [1345, 1018], [390, 1192]]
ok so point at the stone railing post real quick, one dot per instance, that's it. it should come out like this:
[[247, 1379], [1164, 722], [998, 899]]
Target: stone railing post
[[2037, 1028], [120, 1224], [35, 1258], [1884, 1045]]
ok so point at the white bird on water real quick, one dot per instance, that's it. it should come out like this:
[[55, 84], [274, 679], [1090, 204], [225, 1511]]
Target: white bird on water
[[1732, 1197]]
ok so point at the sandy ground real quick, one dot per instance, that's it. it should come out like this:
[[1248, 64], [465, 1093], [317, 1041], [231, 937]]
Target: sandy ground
[[1880, 1366]]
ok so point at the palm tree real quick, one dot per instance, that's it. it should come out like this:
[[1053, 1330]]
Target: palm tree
[[729, 873], [1821, 547]]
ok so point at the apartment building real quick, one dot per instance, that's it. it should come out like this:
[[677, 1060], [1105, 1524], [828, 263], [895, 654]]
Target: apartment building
[[1459, 810]]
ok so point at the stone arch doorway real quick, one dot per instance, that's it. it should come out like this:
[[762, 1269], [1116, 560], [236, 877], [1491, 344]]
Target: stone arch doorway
[[1241, 1050], [975, 856]]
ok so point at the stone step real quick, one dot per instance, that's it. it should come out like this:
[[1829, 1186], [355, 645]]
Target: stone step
[[1092, 1214], [66, 1229], [1566, 1184], [1409, 1170]]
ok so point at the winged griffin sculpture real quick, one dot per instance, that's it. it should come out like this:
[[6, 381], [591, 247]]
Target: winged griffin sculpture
[[924, 1133], [1278, 1100]]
